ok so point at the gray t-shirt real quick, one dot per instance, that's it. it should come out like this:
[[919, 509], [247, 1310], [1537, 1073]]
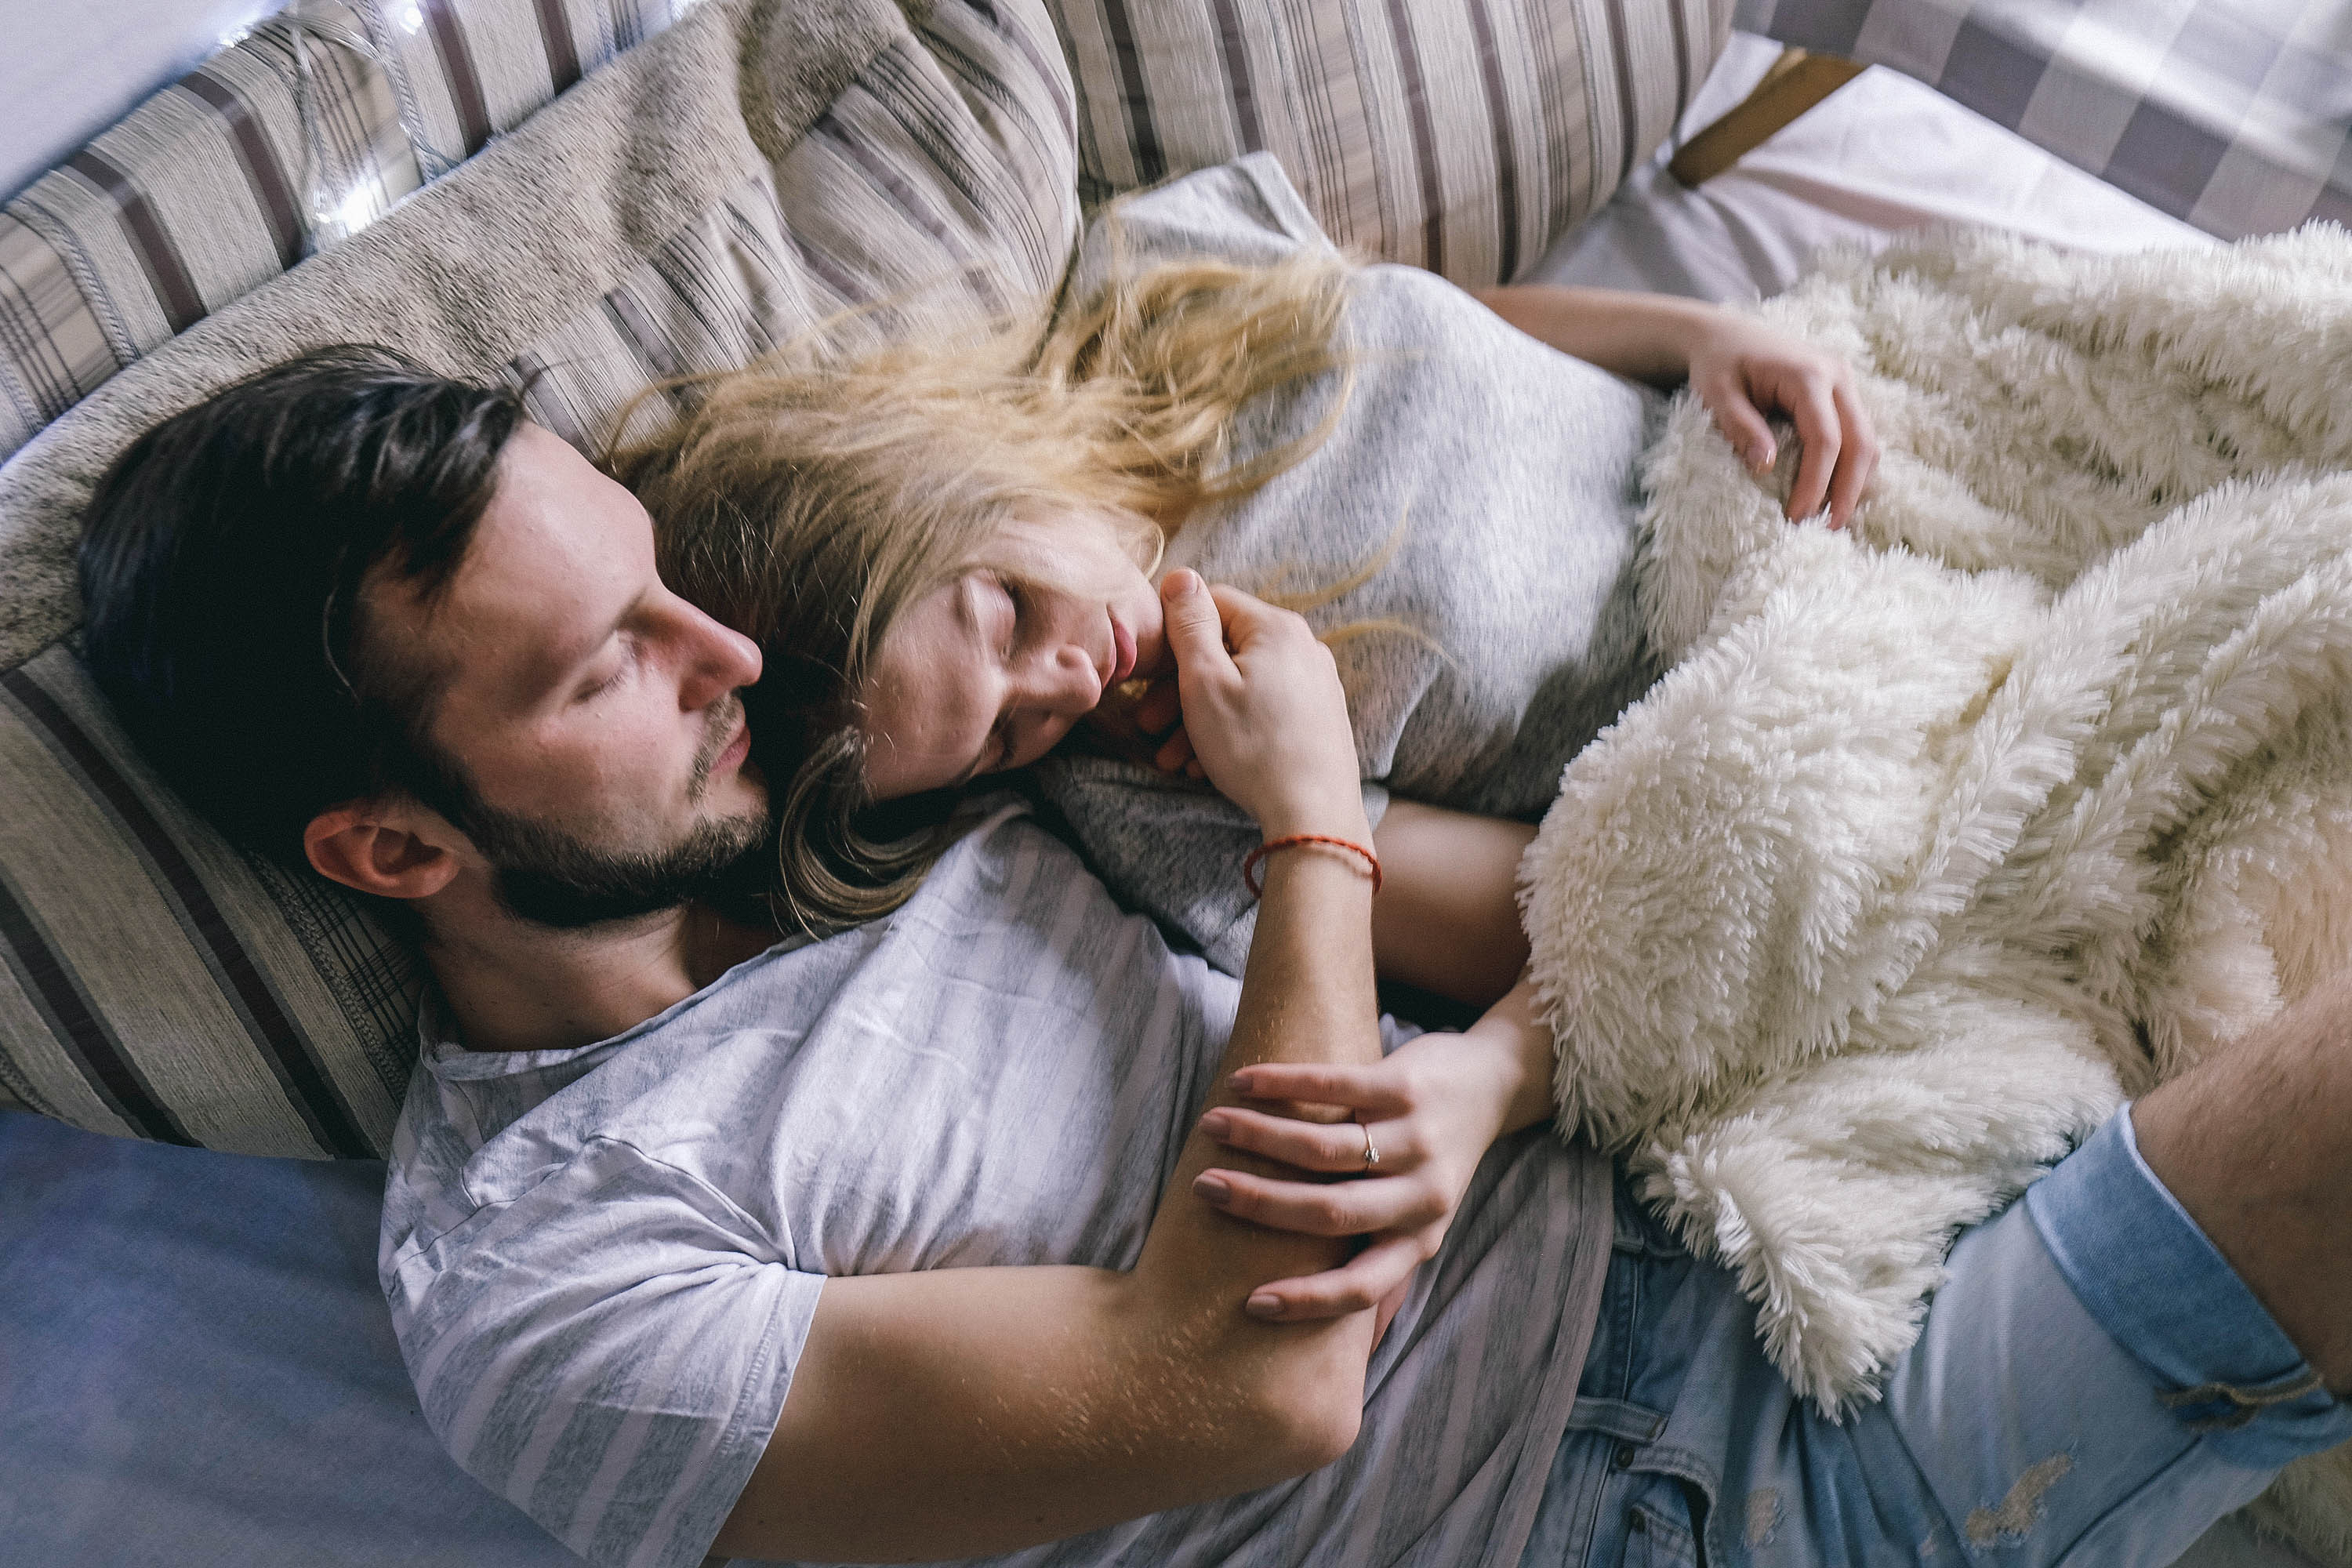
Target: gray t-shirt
[[1499, 475], [602, 1263]]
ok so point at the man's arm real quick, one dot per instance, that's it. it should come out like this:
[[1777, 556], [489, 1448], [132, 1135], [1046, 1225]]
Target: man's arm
[[965, 1412]]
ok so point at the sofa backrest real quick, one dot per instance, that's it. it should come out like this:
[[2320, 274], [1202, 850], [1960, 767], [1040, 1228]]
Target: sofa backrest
[[756, 168]]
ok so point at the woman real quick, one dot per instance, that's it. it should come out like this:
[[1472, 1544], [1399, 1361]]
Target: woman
[[947, 548]]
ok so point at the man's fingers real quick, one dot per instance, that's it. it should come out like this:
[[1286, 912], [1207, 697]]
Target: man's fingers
[[1353, 1287], [1741, 422], [1336, 1148], [1815, 413], [1175, 753], [1357, 1089], [1322, 1208], [1857, 462]]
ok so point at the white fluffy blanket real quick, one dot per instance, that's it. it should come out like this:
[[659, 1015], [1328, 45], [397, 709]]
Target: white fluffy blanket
[[1946, 833]]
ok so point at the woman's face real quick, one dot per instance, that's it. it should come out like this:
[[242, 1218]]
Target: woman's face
[[990, 671]]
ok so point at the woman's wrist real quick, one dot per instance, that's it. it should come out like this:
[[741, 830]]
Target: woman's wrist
[[1332, 816], [1523, 1048]]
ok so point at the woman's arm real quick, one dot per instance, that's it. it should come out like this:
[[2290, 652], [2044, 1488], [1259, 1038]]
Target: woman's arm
[[972, 1411], [1447, 919], [1432, 1109], [1740, 368]]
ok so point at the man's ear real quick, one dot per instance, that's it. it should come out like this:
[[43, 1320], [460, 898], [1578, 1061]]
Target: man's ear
[[363, 844]]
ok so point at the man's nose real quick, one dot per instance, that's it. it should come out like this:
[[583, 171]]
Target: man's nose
[[720, 660]]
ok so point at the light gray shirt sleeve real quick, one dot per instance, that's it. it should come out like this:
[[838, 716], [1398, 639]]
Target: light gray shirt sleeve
[[609, 1351]]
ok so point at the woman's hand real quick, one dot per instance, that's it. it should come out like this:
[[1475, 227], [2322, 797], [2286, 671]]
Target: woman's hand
[[1263, 711], [1743, 370], [1740, 368], [1431, 1109]]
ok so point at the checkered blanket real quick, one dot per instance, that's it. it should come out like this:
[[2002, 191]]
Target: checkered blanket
[[2232, 116]]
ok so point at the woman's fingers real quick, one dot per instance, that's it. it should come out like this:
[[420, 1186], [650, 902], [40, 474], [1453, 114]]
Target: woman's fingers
[[1815, 411], [1175, 753], [1323, 1208], [1857, 459], [1372, 1090], [1336, 1148], [1160, 707], [1195, 634], [1353, 1287], [1741, 422]]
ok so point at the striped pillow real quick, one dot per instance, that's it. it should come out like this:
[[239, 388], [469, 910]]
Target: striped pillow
[[155, 983], [947, 161], [1459, 135], [154, 980], [465, 70], [214, 186]]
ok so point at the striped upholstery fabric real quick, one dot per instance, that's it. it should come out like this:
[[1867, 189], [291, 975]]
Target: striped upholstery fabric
[[2233, 117], [465, 70], [157, 982], [159, 985], [947, 161], [215, 185], [1459, 135]]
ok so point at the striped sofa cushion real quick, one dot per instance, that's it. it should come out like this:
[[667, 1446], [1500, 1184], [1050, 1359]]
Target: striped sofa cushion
[[1459, 135], [156, 982], [943, 174], [215, 185], [465, 70]]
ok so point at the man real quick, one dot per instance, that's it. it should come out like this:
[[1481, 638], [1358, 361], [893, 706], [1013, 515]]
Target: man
[[860, 1250]]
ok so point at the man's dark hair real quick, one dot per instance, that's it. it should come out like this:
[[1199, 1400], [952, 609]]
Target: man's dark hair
[[222, 567]]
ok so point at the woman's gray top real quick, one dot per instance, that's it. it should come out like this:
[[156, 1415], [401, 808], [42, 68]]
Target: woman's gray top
[[1499, 475]]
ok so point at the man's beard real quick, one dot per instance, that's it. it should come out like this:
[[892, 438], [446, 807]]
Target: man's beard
[[549, 878], [552, 878]]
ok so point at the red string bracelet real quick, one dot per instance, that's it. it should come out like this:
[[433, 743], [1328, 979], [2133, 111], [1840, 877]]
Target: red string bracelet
[[1250, 861]]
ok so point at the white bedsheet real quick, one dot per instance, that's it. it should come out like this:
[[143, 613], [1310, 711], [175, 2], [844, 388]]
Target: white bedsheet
[[1880, 156], [1883, 156]]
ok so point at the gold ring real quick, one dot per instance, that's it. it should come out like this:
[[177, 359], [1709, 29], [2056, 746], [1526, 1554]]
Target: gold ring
[[1371, 1155]]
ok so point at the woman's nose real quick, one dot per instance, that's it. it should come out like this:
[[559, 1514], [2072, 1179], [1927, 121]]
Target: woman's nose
[[1063, 681]]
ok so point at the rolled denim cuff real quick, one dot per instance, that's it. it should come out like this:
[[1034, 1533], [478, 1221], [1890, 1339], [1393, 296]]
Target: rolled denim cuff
[[2160, 1289]]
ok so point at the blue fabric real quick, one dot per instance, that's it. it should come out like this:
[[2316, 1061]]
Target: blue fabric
[[2155, 1281], [196, 1368], [2028, 1424]]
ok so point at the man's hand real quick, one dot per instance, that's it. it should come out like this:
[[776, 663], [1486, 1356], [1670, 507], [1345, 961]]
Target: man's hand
[[1742, 370]]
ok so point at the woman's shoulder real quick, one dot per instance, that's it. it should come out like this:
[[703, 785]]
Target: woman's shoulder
[[1246, 212]]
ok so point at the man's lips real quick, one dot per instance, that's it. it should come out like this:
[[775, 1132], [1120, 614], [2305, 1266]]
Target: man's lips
[[737, 750]]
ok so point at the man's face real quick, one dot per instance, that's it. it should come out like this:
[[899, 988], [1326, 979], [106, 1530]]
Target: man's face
[[591, 712]]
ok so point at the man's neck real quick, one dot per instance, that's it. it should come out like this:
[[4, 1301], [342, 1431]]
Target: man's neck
[[512, 986]]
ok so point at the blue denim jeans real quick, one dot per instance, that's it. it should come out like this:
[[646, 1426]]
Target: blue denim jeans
[[2092, 1385]]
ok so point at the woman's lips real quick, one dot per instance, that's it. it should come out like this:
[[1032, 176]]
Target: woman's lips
[[1122, 664]]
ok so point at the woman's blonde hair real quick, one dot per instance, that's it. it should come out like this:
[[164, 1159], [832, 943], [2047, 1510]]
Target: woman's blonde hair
[[810, 498]]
